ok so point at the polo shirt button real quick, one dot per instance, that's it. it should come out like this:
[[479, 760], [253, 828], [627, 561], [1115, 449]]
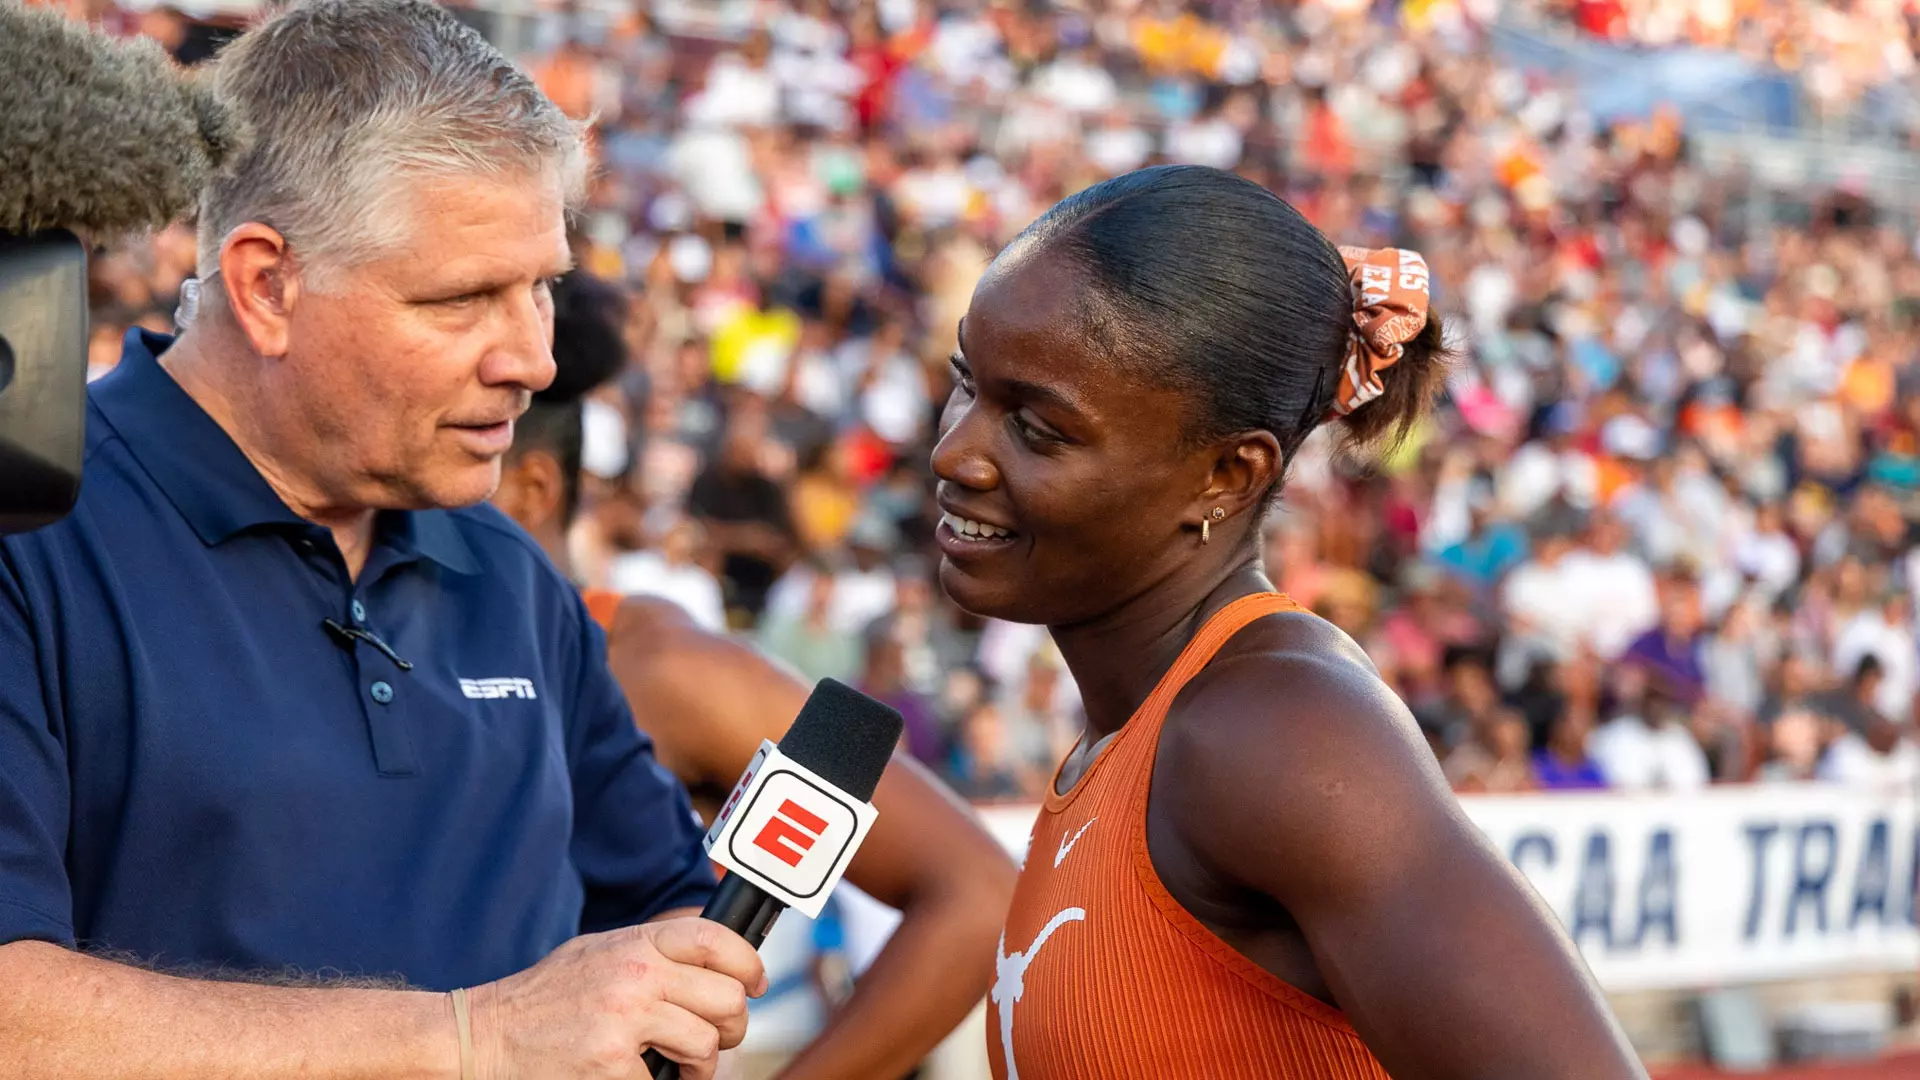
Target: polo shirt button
[[381, 691], [359, 611]]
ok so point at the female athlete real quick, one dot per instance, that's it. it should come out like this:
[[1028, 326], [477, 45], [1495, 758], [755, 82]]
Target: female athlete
[[1249, 867]]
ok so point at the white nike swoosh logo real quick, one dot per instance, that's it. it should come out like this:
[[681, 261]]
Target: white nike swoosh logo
[[1067, 845]]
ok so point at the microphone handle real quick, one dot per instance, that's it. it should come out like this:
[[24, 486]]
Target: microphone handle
[[745, 909]]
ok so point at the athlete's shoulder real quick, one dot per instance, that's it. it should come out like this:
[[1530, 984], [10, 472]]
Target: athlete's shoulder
[[1286, 748], [646, 619], [1288, 665]]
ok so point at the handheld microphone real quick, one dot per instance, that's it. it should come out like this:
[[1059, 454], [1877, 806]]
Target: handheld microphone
[[796, 817], [98, 136]]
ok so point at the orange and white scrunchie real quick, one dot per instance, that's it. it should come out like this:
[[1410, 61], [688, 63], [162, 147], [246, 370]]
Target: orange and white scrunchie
[[1390, 302]]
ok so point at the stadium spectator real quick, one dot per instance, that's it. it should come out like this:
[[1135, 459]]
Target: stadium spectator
[[809, 639]]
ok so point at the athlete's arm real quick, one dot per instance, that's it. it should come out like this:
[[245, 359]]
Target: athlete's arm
[[708, 701], [1298, 775]]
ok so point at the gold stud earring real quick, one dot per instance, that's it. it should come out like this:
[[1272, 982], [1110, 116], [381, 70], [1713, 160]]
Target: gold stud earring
[[1206, 524]]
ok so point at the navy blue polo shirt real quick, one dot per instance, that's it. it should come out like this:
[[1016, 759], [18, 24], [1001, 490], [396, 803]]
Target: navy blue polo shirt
[[194, 770]]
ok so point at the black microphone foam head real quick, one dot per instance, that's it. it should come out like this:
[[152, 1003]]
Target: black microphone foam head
[[844, 736]]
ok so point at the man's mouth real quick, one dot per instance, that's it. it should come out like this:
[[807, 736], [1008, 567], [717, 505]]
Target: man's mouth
[[487, 438]]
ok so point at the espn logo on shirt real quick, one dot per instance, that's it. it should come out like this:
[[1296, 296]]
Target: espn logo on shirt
[[485, 689], [789, 831]]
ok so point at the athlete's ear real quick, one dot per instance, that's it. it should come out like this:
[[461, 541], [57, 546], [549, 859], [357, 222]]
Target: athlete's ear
[[1243, 470], [531, 489]]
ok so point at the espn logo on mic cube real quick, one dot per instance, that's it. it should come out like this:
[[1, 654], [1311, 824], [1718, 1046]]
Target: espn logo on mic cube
[[789, 831]]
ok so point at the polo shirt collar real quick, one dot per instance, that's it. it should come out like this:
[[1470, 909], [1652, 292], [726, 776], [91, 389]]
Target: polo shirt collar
[[430, 534], [200, 469]]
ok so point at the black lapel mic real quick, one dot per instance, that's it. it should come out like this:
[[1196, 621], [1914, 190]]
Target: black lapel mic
[[100, 137], [796, 817]]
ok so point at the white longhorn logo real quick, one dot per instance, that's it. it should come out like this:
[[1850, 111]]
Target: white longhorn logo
[[1010, 979]]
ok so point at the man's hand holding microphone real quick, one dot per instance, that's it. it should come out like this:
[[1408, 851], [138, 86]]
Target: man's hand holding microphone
[[663, 999], [586, 1012]]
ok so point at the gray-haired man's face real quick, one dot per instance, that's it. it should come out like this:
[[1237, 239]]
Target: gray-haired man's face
[[408, 372]]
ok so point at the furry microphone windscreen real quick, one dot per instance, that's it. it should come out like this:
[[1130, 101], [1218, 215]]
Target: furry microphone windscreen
[[100, 135]]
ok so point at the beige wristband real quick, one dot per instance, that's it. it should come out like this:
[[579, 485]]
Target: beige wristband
[[463, 1020]]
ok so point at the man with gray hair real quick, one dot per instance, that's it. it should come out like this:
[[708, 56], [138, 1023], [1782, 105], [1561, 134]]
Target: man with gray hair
[[308, 764]]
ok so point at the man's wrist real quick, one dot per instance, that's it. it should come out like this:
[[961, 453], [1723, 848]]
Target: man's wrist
[[484, 1013], [433, 1038]]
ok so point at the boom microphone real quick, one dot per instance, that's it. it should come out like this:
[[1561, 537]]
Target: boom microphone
[[796, 817], [99, 137]]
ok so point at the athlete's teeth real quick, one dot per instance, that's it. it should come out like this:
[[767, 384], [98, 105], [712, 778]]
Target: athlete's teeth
[[974, 530]]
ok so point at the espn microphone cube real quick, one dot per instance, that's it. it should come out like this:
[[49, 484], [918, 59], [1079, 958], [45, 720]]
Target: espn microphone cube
[[800, 811], [789, 831]]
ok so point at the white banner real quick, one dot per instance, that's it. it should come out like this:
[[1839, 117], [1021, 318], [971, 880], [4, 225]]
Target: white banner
[[1727, 885]]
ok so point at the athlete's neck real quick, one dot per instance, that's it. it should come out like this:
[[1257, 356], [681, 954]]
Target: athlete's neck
[[1118, 659]]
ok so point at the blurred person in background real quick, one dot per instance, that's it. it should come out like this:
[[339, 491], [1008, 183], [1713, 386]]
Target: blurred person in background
[[673, 573], [985, 764], [1879, 755], [1494, 760], [1884, 632], [810, 640], [1543, 621], [883, 677], [1645, 744], [1469, 699], [1736, 657], [1795, 741], [1563, 763], [931, 642], [1613, 593], [864, 586], [708, 701], [1672, 651], [744, 513]]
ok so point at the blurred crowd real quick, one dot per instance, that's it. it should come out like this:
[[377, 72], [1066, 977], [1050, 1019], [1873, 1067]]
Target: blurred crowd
[[1840, 47], [1655, 537]]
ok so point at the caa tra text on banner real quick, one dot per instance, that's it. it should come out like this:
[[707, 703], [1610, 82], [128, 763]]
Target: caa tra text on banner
[[1727, 884]]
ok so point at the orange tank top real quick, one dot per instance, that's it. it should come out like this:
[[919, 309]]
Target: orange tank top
[[1102, 975], [603, 605]]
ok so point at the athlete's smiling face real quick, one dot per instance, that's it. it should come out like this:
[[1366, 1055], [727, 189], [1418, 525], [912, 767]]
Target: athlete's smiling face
[[1064, 479]]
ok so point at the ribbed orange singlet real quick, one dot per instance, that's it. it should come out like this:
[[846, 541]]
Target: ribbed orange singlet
[[1102, 975]]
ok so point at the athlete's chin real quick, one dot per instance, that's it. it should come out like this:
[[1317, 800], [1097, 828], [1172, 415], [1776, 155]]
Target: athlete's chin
[[992, 596]]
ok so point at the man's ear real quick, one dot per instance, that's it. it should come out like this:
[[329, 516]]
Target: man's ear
[[1244, 470], [260, 285]]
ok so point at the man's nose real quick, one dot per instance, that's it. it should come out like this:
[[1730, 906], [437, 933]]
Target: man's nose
[[523, 354]]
